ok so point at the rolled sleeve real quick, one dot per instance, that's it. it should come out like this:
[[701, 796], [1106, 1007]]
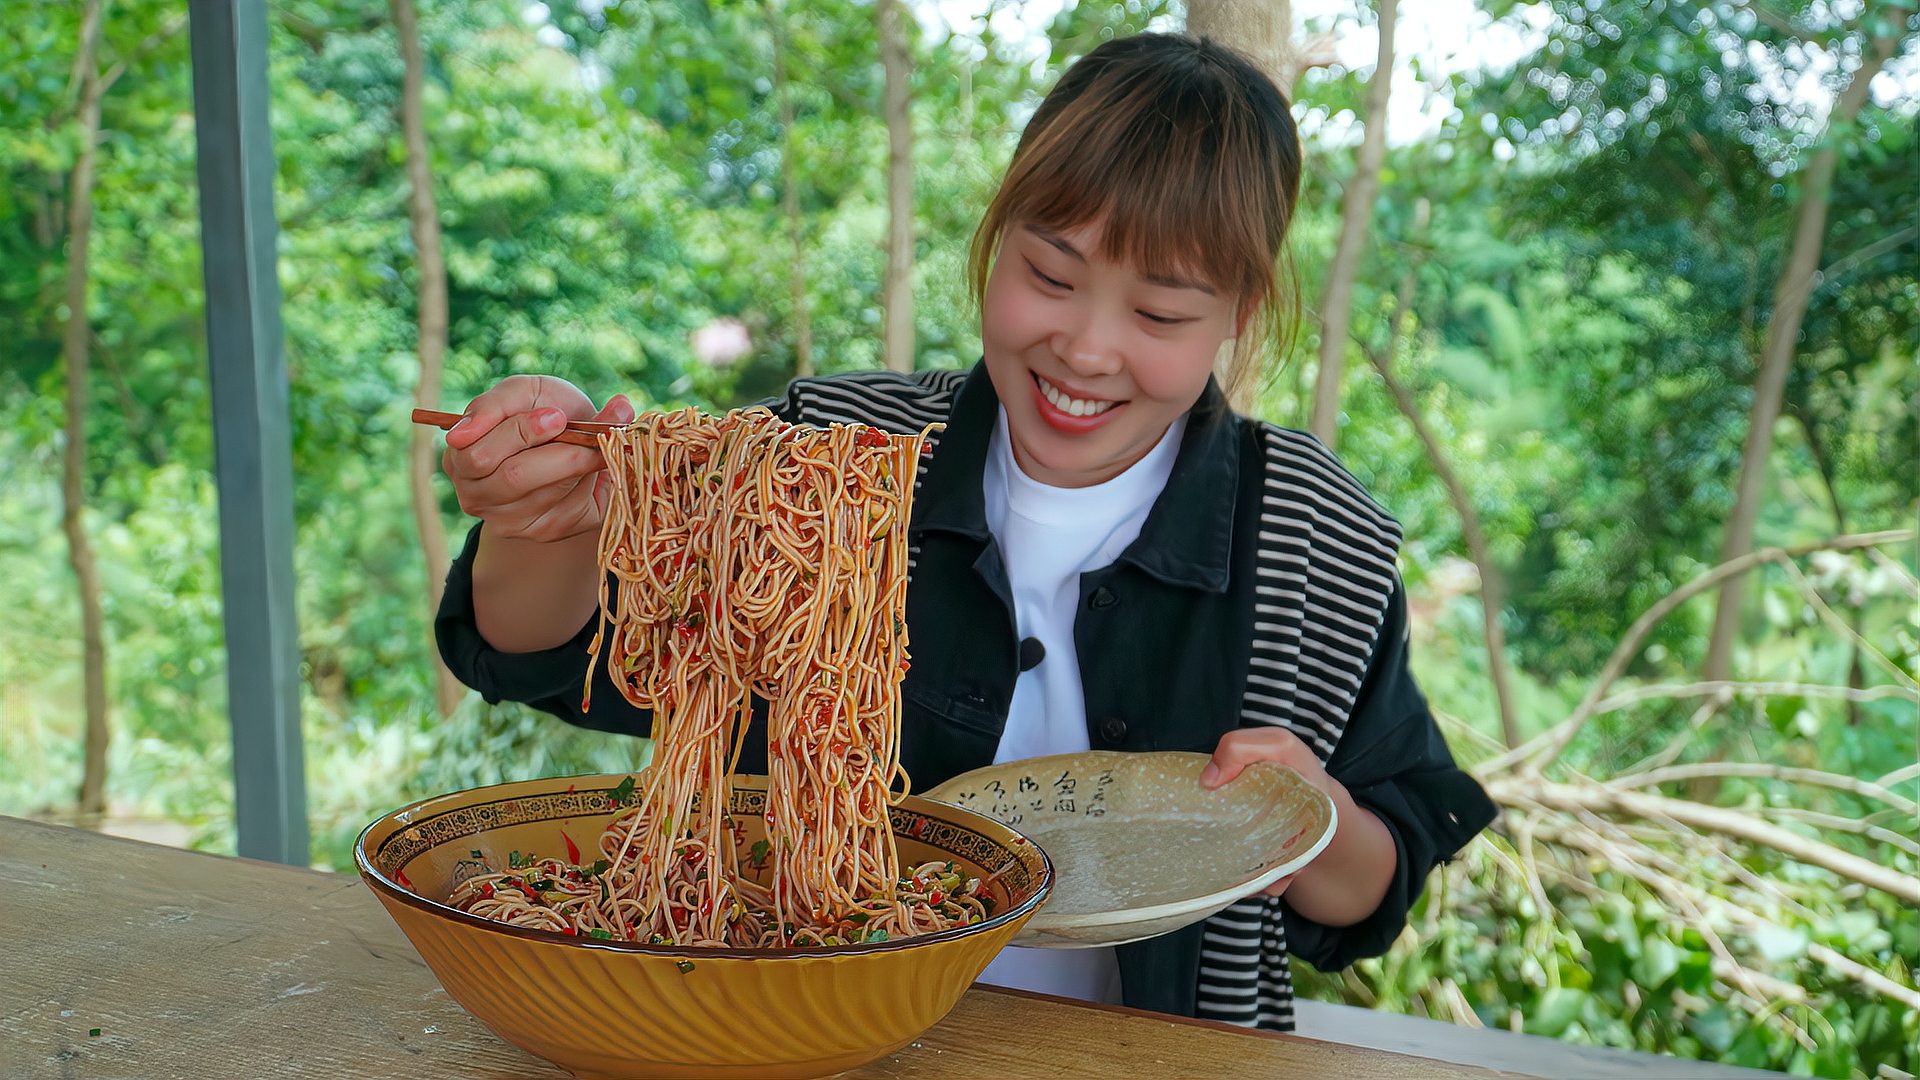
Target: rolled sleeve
[[1396, 764], [551, 680]]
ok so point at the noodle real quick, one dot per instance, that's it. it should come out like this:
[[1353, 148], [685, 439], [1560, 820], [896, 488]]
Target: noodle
[[753, 557]]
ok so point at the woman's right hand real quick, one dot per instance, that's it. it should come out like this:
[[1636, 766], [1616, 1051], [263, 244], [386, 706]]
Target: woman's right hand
[[509, 472]]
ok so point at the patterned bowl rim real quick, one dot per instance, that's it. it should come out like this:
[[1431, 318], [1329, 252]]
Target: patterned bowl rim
[[1219, 898], [393, 890]]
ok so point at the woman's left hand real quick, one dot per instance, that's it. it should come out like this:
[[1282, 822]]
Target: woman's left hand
[[1241, 748]]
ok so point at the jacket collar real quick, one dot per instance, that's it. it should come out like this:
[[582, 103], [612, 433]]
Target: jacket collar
[[1187, 539]]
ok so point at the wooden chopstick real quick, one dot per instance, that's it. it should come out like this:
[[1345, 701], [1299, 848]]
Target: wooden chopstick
[[577, 432]]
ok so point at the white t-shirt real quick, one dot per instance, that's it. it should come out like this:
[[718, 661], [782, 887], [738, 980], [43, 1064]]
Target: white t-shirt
[[1048, 537]]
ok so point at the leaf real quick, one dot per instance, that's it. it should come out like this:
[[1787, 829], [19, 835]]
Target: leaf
[[1714, 1028], [1659, 959], [1555, 1011], [1696, 973], [1781, 943], [622, 794]]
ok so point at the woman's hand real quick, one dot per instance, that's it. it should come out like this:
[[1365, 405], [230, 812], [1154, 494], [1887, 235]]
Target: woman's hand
[[1347, 880], [510, 473], [1241, 748]]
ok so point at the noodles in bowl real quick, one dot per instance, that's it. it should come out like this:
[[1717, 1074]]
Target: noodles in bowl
[[744, 558], [606, 1008]]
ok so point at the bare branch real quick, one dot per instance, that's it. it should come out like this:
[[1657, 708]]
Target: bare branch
[[1866, 789], [90, 21], [1837, 823], [1546, 746], [1707, 711], [1734, 823], [1492, 584], [1841, 267], [1590, 834], [1900, 776], [1906, 576], [140, 51], [1756, 689], [1669, 883], [1833, 619], [1865, 975]]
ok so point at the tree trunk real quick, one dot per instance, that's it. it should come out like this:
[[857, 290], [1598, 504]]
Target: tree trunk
[[432, 330], [1823, 463], [1492, 585], [790, 199], [93, 777], [1356, 216], [897, 293], [1791, 291], [1262, 29]]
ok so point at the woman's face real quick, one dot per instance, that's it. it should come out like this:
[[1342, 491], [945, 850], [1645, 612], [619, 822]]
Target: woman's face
[[1092, 359]]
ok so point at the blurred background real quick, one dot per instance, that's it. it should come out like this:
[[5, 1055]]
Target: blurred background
[[1597, 297]]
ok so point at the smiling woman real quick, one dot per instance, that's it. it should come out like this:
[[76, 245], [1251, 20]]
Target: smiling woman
[[1193, 579]]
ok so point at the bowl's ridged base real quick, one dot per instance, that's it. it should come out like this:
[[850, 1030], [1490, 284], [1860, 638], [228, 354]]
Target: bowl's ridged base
[[599, 1013]]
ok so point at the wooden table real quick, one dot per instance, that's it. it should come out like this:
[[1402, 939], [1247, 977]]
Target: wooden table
[[125, 960]]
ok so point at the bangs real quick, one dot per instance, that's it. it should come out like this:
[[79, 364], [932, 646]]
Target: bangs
[[1162, 192], [1189, 173]]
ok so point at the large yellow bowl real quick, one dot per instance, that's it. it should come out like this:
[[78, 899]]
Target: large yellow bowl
[[606, 1009]]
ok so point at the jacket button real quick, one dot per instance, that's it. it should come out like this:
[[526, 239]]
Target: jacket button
[[1113, 730], [1102, 598]]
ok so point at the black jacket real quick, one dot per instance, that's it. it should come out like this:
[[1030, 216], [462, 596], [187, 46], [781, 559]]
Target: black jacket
[[1260, 590]]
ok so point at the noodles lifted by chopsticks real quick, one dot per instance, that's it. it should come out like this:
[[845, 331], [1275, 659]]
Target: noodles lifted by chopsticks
[[752, 557]]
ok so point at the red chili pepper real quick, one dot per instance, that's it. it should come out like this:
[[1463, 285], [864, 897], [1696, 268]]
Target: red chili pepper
[[401, 877], [486, 891], [573, 853], [936, 897]]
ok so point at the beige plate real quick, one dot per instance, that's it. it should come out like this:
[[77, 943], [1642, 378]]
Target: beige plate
[[1139, 848]]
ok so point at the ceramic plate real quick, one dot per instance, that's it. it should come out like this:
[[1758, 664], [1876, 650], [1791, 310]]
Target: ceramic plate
[[1139, 848]]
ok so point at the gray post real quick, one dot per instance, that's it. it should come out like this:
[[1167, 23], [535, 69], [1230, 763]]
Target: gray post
[[252, 447]]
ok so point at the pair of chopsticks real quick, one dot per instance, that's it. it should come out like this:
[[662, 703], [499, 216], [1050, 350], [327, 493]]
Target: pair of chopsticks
[[577, 432]]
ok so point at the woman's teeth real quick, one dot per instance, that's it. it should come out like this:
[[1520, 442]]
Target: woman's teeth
[[1072, 406]]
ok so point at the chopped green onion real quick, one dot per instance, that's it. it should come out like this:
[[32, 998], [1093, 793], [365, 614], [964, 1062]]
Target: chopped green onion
[[600, 935]]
